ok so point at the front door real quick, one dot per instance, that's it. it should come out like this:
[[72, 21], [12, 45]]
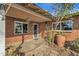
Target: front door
[[35, 31]]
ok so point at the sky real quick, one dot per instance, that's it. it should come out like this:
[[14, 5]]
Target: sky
[[48, 7]]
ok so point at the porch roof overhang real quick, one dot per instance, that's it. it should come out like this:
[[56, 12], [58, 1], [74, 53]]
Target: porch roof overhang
[[18, 11], [36, 9]]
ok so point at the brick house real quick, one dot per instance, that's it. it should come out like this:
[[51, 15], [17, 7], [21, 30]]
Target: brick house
[[29, 22]]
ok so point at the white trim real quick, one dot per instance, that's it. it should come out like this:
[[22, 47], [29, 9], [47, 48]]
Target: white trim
[[15, 27], [22, 26], [27, 26], [37, 30], [60, 26], [63, 31], [52, 26]]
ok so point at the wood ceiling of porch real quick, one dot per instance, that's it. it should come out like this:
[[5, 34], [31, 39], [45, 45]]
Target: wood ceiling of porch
[[24, 14], [36, 9]]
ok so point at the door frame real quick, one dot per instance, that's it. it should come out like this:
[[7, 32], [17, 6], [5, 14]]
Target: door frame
[[37, 30]]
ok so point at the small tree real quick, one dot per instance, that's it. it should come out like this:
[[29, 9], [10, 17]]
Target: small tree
[[60, 11]]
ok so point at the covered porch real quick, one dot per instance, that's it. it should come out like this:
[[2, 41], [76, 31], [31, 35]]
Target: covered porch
[[34, 23]]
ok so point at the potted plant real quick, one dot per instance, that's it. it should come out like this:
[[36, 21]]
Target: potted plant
[[61, 10], [60, 39]]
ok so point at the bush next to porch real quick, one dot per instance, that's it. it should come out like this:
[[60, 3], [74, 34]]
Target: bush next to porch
[[76, 45], [49, 37]]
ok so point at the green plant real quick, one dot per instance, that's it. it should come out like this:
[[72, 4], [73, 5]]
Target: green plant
[[60, 12], [12, 51], [61, 33], [76, 44], [49, 37], [9, 51]]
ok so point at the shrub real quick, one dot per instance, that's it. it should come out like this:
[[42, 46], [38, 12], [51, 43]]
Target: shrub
[[60, 33], [9, 51], [12, 51], [76, 44], [49, 37]]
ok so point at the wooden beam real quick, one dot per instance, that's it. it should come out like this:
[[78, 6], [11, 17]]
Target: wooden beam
[[8, 8]]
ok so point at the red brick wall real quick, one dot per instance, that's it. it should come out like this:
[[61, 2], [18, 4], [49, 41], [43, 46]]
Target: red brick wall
[[75, 32], [11, 38], [70, 36], [42, 28]]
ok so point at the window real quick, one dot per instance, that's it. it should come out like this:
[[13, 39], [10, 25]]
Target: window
[[65, 25], [68, 25], [56, 26], [20, 27], [25, 28]]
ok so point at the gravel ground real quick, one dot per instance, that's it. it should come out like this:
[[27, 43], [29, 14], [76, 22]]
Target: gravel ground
[[41, 48], [45, 50]]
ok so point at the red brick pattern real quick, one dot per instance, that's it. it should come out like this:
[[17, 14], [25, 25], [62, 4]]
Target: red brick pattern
[[10, 37], [75, 32]]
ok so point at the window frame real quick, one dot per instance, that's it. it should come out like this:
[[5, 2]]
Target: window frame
[[61, 27], [21, 27], [27, 26]]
